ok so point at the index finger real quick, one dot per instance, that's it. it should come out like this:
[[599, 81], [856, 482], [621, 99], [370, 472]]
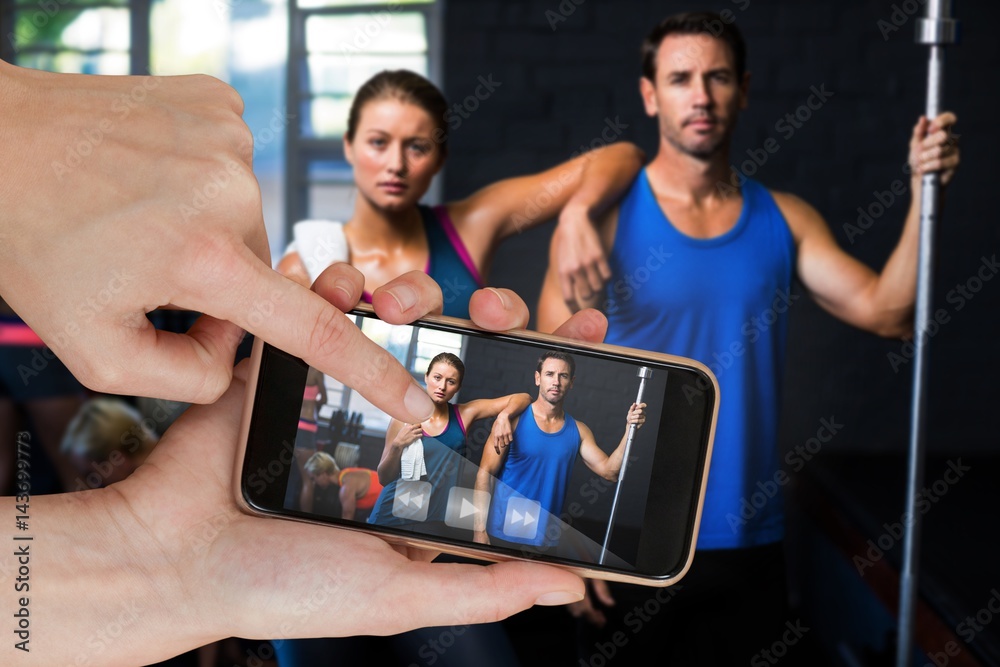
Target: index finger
[[302, 323], [944, 120], [567, 287], [603, 592]]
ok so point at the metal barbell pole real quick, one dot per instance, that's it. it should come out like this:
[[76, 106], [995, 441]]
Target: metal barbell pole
[[644, 373], [937, 31]]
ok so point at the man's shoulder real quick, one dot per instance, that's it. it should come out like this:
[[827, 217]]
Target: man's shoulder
[[799, 214], [791, 203], [581, 428]]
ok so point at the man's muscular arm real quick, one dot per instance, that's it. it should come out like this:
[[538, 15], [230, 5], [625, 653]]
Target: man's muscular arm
[[878, 302], [609, 466]]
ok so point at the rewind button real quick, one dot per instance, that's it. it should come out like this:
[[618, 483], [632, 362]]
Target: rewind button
[[411, 500]]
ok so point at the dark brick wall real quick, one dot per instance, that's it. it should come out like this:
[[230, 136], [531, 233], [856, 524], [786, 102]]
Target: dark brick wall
[[559, 86]]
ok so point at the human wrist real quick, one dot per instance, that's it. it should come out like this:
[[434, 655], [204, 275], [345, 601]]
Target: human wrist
[[577, 211], [99, 592], [116, 571]]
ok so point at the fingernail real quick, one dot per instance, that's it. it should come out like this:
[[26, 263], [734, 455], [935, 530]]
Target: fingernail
[[503, 300], [418, 403], [345, 286], [405, 296], [558, 597]]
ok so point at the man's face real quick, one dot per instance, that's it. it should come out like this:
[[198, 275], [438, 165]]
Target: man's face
[[553, 381], [696, 97]]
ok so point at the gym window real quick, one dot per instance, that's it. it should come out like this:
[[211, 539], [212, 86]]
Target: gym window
[[85, 37], [336, 45], [413, 348]]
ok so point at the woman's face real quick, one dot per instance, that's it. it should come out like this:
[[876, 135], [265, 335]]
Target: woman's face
[[393, 153], [442, 382]]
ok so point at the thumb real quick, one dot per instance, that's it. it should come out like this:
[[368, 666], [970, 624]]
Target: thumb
[[478, 594]]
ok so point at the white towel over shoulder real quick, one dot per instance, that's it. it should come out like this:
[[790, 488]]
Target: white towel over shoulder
[[411, 463], [320, 243]]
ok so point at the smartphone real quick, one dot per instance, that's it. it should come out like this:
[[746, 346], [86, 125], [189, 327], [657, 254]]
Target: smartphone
[[598, 463]]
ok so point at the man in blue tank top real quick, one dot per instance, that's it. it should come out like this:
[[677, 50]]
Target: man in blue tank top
[[700, 262], [533, 471]]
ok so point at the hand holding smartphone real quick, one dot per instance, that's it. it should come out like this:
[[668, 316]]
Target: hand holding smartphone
[[585, 456]]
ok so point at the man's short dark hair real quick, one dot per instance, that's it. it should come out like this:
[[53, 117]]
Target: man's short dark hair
[[694, 23], [561, 356]]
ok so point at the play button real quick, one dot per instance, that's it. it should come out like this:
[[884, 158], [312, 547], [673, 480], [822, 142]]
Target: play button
[[464, 506], [467, 509]]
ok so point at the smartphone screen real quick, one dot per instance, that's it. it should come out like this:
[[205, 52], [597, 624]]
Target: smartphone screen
[[548, 480]]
